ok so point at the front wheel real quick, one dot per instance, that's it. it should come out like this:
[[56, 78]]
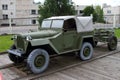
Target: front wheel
[[38, 60], [86, 51]]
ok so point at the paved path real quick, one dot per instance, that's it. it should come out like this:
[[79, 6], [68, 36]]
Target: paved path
[[107, 68]]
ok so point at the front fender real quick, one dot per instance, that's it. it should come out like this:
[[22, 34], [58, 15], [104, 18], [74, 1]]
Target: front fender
[[40, 42]]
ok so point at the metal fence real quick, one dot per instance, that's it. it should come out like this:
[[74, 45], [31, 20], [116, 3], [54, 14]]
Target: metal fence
[[23, 25], [18, 25], [112, 21], [30, 21]]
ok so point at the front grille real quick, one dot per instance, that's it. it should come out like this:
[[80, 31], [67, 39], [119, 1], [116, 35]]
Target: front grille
[[20, 42]]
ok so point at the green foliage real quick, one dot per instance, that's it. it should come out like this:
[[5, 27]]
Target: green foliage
[[117, 33], [5, 42], [55, 8], [97, 13], [88, 11], [100, 17]]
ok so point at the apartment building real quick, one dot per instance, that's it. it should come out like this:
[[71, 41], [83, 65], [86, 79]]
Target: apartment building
[[7, 10], [19, 11], [26, 9], [111, 14]]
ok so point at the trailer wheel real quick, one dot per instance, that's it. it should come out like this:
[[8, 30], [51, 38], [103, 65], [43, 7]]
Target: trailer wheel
[[112, 43], [14, 58], [86, 51], [38, 60]]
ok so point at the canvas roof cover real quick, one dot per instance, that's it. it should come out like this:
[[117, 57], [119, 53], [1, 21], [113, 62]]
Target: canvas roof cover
[[83, 24]]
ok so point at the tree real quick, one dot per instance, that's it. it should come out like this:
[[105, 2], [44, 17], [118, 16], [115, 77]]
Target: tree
[[88, 11], [99, 11], [55, 8]]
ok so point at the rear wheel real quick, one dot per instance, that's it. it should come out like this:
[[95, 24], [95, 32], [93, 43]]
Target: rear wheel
[[38, 60], [112, 43], [86, 51], [15, 58]]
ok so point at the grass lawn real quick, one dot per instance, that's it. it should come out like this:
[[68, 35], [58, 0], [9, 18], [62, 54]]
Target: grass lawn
[[117, 33], [5, 42]]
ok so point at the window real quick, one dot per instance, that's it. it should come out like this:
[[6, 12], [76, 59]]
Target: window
[[57, 23], [33, 11], [5, 7], [81, 11], [109, 11], [5, 16], [11, 13], [33, 21], [46, 24], [70, 24], [11, 3], [52, 23]]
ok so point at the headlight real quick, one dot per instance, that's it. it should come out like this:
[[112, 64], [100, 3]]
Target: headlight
[[14, 37], [28, 38]]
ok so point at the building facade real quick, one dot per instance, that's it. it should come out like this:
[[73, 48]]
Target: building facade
[[7, 10], [19, 12], [112, 14]]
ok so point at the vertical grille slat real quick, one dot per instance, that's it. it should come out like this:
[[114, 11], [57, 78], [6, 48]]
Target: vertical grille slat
[[20, 42]]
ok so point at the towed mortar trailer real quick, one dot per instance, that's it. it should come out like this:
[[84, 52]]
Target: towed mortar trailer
[[106, 35], [57, 35]]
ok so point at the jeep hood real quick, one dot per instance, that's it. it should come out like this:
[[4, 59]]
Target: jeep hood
[[40, 34]]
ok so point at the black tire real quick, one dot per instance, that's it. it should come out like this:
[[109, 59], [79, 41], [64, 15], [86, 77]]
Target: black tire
[[86, 51], [112, 43], [38, 61], [14, 58]]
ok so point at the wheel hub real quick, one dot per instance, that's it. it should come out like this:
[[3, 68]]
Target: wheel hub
[[113, 43], [86, 51], [39, 61]]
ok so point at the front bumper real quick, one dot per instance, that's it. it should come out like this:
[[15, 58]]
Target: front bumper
[[15, 52]]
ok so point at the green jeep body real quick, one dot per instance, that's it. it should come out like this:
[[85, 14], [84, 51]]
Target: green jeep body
[[57, 35], [61, 39]]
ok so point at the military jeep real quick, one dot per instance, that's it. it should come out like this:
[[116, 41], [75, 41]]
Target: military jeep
[[57, 35]]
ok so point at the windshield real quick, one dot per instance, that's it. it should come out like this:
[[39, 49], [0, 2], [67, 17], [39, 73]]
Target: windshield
[[46, 24], [52, 24]]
